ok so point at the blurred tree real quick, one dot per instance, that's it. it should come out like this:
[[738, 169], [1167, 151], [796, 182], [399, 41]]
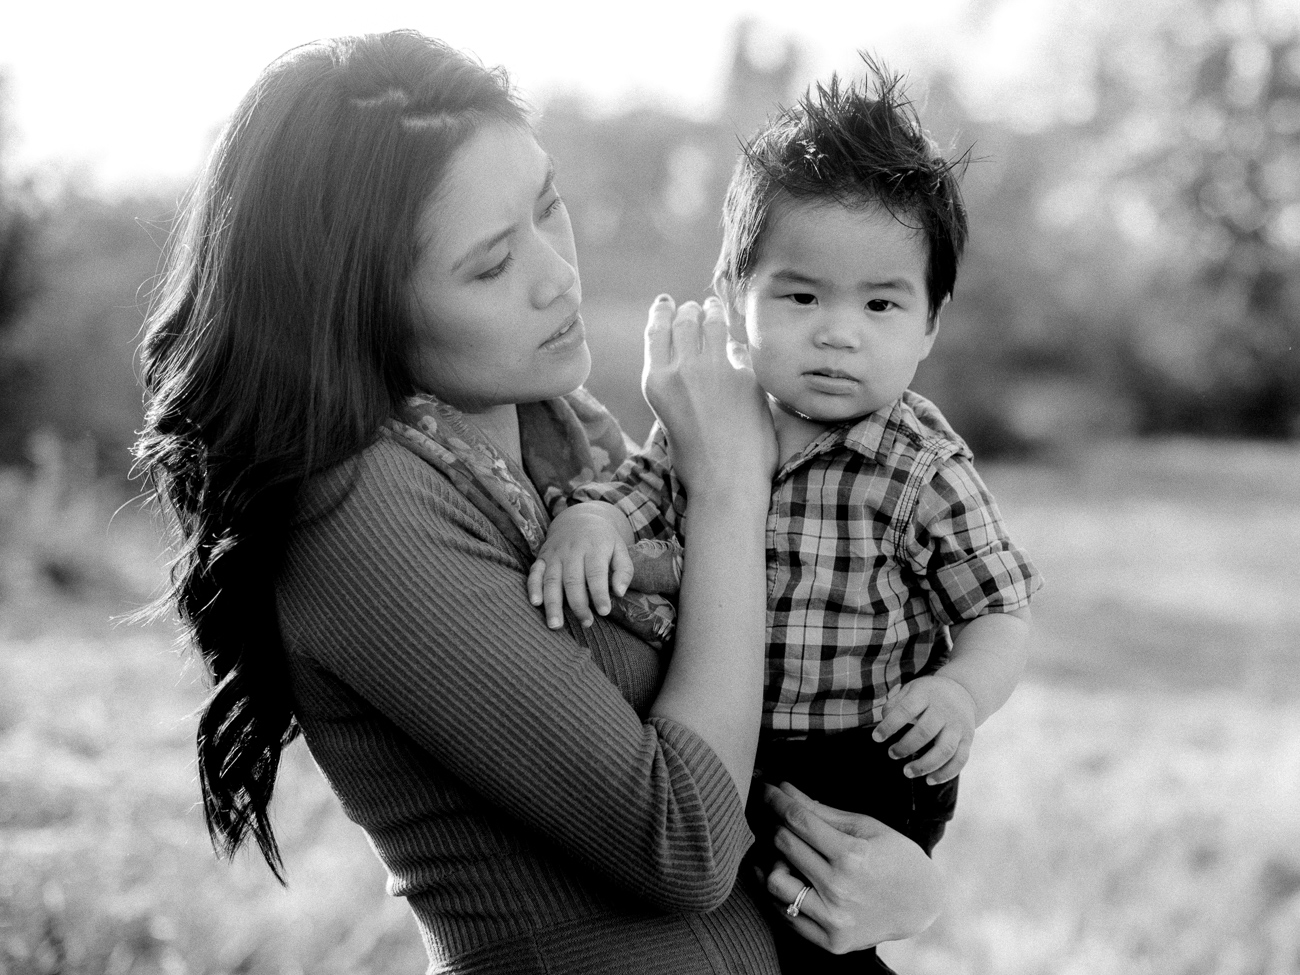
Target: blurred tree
[[18, 285], [1019, 365], [1135, 252], [1133, 262], [1207, 166], [80, 333], [645, 188]]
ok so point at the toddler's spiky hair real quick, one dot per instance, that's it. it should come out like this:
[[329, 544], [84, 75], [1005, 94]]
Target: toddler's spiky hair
[[858, 145]]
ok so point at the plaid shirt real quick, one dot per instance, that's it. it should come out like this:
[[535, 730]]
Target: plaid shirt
[[880, 535]]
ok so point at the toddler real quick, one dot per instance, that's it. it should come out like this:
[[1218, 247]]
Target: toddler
[[897, 605]]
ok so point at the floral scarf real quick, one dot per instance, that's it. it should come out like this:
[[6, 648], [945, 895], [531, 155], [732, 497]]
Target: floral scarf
[[566, 442]]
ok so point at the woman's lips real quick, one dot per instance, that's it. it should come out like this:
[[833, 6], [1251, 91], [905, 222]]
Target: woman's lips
[[568, 335]]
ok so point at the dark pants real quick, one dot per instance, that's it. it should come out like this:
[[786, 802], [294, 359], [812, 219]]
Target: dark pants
[[849, 771]]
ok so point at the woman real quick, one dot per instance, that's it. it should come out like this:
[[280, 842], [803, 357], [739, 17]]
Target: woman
[[364, 365]]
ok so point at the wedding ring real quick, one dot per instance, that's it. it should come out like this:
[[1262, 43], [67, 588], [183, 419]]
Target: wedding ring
[[793, 909]]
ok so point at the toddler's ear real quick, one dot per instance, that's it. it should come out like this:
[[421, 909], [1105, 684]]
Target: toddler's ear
[[937, 318], [932, 331], [736, 326], [733, 304]]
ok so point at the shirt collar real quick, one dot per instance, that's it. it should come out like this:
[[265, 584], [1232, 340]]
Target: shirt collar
[[872, 436]]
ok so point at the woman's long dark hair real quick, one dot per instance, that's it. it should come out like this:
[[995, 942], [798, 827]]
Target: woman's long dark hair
[[279, 341]]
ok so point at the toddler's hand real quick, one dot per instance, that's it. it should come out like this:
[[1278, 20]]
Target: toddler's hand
[[583, 553], [942, 715]]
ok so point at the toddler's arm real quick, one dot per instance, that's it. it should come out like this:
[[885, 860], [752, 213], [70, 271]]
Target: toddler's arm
[[945, 708], [586, 551]]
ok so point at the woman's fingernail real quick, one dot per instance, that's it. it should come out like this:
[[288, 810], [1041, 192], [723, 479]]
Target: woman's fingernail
[[662, 298]]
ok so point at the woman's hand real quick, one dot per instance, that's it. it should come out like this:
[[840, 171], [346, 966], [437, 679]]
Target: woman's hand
[[724, 451], [869, 882], [718, 424]]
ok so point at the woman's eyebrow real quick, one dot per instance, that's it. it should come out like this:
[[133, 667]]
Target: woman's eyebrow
[[482, 247], [485, 245]]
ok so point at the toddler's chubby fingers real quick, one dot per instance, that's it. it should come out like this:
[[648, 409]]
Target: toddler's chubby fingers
[[901, 710], [925, 730], [575, 590], [535, 575], [952, 768], [942, 748], [621, 572], [552, 593], [597, 577]]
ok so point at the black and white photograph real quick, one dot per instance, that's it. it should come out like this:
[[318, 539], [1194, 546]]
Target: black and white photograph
[[650, 489]]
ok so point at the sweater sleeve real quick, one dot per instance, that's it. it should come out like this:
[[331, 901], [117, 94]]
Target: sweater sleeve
[[410, 597]]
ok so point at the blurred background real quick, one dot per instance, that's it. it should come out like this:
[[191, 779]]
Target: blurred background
[[1121, 354]]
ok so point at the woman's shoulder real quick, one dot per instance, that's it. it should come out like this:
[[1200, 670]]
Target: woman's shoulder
[[382, 482], [384, 506]]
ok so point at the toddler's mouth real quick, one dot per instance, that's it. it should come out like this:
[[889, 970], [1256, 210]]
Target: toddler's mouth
[[833, 374]]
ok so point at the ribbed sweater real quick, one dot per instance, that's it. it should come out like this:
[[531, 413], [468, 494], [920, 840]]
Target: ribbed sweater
[[533, 815]]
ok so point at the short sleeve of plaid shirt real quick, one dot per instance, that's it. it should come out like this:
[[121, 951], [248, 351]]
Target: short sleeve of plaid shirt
[[958, 545], [645, 489]]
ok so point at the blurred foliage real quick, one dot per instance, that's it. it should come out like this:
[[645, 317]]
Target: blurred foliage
[[18, 284], [1135, 211], [1131, 811], [1173, 213], [98, 260], [1134, 263]]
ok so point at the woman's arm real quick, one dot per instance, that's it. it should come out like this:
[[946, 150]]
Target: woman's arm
[[869, 882], [406, 594], [723, 450]]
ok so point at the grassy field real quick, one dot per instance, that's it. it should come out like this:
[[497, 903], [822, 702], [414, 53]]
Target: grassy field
[[1134, 809]]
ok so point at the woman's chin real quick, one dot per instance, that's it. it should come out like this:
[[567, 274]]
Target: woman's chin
[[577, 372]]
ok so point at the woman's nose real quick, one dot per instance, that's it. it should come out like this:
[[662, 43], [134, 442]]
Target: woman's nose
[[557, 278]]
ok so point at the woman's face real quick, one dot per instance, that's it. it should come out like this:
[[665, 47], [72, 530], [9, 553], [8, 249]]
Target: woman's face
[[495, 288]]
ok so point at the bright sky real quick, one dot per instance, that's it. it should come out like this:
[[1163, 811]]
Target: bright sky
[[130, 93]]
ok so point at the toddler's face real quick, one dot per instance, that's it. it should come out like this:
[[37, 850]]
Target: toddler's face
[[835, 311]]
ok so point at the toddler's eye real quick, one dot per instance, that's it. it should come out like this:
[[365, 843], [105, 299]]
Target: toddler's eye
[[553, 206], [879, 304], [802, 298]]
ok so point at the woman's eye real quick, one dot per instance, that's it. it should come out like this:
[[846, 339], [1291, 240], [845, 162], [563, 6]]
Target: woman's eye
[[498, 270], [802, 298], [879, 304], [553, 206]]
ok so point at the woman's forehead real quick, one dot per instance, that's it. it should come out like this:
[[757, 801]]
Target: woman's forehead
[[491, 183]]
